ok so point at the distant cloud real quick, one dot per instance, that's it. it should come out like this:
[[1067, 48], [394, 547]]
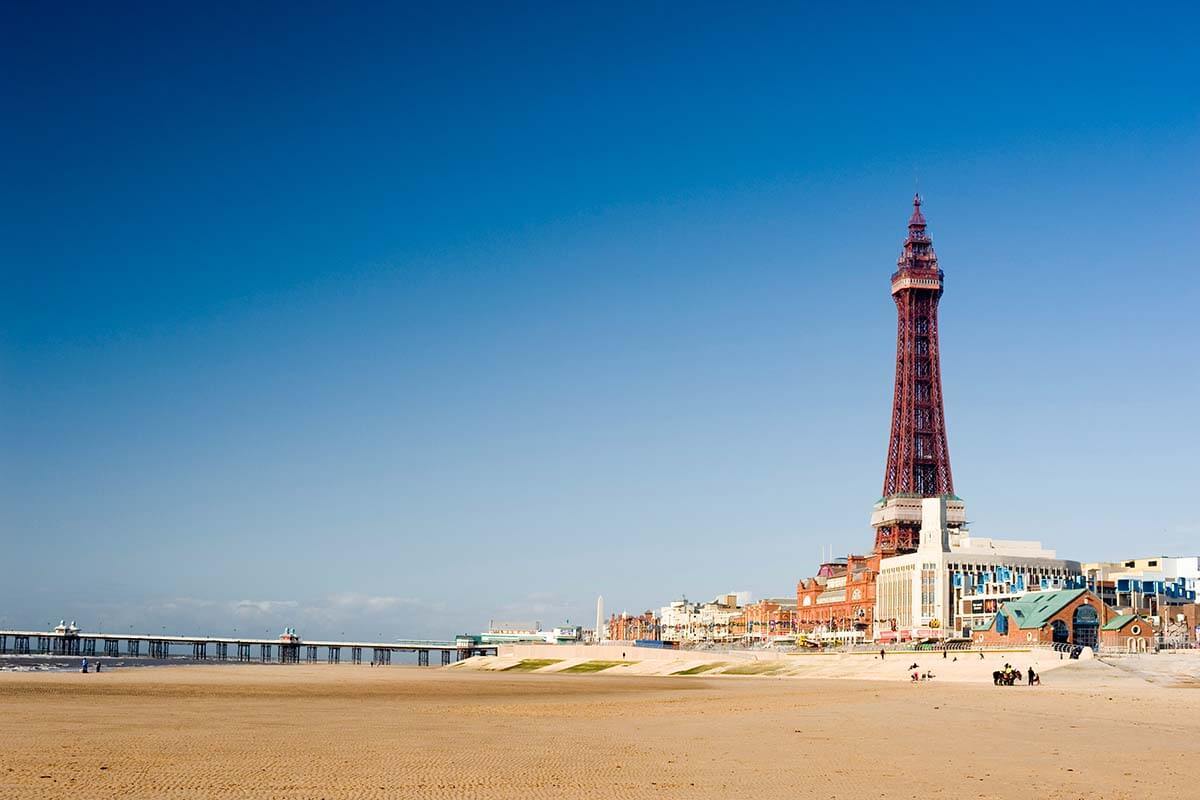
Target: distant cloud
[[388, 615], [536, 607], [365, 603], [263, 608]]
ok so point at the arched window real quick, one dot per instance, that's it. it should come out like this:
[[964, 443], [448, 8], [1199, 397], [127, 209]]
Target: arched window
[[1061, 633], [1085, 626]]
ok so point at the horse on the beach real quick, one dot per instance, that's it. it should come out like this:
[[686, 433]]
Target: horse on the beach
[[1005, 677]]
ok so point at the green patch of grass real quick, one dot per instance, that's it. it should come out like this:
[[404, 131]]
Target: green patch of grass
[[699, 669], [597, 666], [530, 664], [755, 668]]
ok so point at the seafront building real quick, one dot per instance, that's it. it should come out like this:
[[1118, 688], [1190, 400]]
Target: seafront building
[[1066, 616], [954, 583], [1162, 589], [1132, 632], [523, 633], [771, 620], [684, 621], [1146, 584], [626, 627], [839, 601]]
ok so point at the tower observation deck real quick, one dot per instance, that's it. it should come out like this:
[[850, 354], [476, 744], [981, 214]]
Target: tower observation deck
[[918, 455]]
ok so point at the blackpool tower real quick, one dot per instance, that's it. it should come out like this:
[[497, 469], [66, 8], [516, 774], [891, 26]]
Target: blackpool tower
[[918, 456]]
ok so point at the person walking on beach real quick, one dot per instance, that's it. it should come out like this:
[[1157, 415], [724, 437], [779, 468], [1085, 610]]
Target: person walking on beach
[[882, 653], [83, 667]]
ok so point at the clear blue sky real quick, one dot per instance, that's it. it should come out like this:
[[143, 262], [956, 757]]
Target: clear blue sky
[[384, 322]]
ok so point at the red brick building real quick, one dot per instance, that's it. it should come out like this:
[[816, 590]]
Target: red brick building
[[627, 627], [764, 620], [1067, 616], [1131, 632], [840, 597]]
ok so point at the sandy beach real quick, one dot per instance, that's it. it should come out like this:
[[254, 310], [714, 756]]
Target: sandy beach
[[361, 732]]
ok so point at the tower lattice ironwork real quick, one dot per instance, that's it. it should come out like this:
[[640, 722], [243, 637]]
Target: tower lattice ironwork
[[918, 457]]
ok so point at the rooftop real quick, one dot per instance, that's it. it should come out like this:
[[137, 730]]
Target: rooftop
[[1034, 610], [1118, 622]]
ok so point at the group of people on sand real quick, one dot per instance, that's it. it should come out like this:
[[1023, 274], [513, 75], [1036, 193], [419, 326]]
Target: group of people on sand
[[84, 667], [918, 676], [1005, 677]]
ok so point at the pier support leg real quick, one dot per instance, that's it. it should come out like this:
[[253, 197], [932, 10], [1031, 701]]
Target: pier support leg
[[446, 657], [356, 655], [334, 655], [422, 658]]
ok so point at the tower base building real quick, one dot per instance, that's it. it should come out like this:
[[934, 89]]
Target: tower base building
[[954, 583]]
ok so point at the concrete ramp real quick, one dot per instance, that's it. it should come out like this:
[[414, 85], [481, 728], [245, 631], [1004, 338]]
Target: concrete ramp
[[617, 660]]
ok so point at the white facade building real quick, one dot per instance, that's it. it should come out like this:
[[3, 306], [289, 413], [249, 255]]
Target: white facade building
[[1146, 584], [954, 582], [683, 621]]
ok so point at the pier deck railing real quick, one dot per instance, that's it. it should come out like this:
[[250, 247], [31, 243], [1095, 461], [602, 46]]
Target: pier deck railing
[[284, 650]]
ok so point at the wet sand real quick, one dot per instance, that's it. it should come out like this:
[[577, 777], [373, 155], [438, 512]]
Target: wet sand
[[360, 732]]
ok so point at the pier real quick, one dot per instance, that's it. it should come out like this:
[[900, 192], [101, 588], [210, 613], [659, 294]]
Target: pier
[[287, 648]]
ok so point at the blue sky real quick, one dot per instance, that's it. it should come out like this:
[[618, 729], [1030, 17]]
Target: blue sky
[[397, 321]]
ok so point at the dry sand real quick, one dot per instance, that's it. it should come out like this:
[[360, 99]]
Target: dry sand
[[360, 732]]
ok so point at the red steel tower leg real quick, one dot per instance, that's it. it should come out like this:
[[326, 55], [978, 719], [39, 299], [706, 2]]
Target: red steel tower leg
[[918, 458]]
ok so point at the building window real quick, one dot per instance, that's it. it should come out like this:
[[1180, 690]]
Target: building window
[[928, 590]]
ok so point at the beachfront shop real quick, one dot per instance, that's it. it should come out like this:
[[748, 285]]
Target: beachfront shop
[[1066, 616]]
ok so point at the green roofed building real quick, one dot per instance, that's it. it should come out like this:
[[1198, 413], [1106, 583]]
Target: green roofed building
[[1066, 616]]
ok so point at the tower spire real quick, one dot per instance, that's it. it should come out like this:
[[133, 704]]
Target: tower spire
[[918, 457], [917, 218]]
